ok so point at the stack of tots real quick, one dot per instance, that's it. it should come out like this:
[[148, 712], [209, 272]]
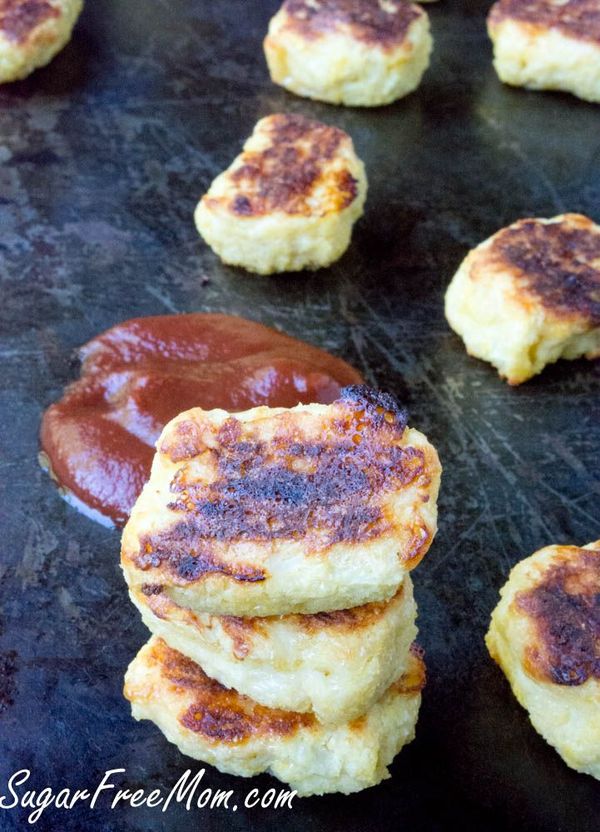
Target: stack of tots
[[269, 555]]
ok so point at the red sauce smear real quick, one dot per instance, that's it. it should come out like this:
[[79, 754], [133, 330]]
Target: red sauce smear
[[99, 438]]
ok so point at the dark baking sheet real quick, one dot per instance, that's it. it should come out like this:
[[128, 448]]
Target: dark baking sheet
[[103, 156]]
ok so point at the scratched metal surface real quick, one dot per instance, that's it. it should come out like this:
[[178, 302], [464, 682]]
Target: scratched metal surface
[[103, 156]]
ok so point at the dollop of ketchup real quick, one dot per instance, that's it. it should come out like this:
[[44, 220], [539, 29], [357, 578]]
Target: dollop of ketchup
[[98, 440]]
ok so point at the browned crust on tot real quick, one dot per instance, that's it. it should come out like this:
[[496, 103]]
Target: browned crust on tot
[[220, 714], [579, 19], [382, 24], [410, 684], [355, 618], [324, 492], [415, 678], [19, 18], [243, 630], [189, 557], [184, 442], [240, 630], [558, 263], [152, 590], [565, 609], [283, 176]]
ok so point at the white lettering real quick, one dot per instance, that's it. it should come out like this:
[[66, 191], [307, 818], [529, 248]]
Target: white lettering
[[186, 791], [137, 799], [252, 794], [285, 798], [105, 785], [221, 797], [154, 799], [180, 791], [44, 799], [63, 799], [24, 775], [122, 794], [82, 794]]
